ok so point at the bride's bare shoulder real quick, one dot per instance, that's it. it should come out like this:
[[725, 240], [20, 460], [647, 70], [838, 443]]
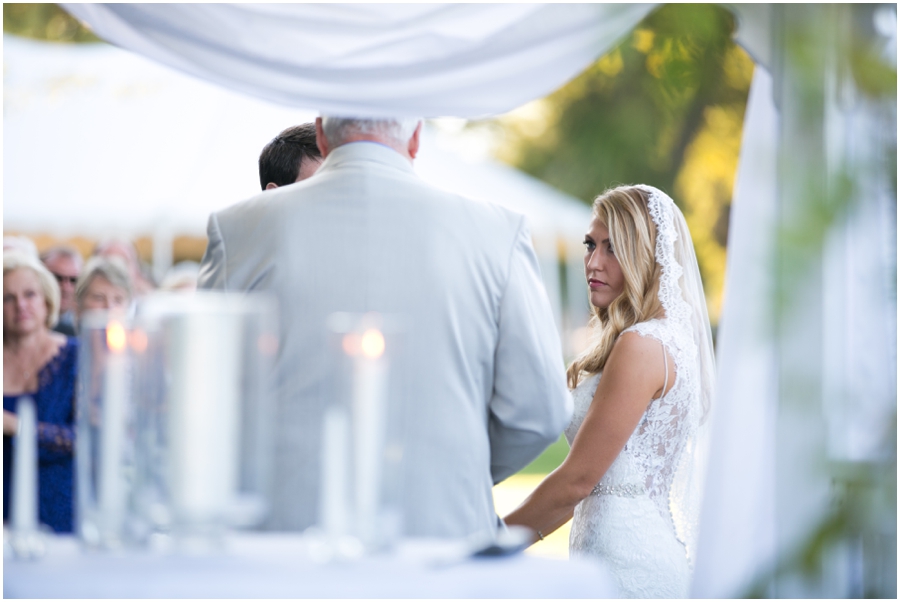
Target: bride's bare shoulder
[[632, 342], [636, 358]]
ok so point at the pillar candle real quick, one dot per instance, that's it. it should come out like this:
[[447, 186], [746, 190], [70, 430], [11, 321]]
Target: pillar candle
[[203, 416], [335, 472], [369, 391]]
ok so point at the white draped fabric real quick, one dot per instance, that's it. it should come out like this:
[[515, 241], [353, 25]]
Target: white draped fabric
[[430, 60], [738, 522]]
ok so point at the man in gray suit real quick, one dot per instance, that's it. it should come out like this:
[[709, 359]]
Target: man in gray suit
[[482, 368]]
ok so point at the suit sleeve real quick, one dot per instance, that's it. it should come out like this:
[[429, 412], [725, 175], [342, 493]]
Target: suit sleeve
[[213, 274], [531, 404]]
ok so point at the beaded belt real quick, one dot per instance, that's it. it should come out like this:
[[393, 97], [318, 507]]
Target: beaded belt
[[623, 490]]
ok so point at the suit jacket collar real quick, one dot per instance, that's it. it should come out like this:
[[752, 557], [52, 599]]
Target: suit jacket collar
[[365, 152]]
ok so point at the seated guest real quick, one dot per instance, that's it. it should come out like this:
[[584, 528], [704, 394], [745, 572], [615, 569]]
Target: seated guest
[[65, 264], [123, 249], [105, 284], [291, 156], [42, 364]]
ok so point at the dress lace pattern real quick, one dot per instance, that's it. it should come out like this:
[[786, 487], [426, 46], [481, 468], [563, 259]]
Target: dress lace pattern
[[631, 517], [641, 517]]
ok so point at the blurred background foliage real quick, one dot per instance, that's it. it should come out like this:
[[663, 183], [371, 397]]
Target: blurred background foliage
[[664, 107], [44, 22]]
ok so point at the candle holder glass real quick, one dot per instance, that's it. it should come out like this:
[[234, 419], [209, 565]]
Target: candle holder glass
[[362, 450], [104, 453], [204, 415]]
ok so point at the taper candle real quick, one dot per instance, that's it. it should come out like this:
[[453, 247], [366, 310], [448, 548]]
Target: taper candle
[[25, 468]]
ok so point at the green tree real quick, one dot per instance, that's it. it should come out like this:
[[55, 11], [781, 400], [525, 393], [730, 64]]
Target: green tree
[[664, 107], [44, 22]]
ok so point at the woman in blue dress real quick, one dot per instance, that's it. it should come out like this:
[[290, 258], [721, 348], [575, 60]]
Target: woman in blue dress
[[42, 364]]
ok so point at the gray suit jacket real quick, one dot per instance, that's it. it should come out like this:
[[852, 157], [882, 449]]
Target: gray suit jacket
[[482, 367]]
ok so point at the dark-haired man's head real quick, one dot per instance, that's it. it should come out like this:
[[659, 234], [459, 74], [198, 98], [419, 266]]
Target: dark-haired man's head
[[289, 157]]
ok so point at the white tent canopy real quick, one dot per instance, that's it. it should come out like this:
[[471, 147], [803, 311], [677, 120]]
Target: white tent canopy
[[103, 141]]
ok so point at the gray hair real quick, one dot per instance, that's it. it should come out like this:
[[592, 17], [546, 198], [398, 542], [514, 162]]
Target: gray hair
[[113, 269], [339, 129], [18, 259], [63, 251]]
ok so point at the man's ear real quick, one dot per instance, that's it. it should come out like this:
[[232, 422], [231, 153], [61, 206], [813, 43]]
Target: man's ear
[[321, 140], [414, 141], [271, 185]]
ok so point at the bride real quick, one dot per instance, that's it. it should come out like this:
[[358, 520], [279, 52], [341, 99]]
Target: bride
[[632, 477]]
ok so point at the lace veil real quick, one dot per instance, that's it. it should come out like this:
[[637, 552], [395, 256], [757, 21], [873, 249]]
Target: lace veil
[[684, 302]]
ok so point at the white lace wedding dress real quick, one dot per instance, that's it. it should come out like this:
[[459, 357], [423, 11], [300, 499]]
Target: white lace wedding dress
[[641, 518], [638, 517]]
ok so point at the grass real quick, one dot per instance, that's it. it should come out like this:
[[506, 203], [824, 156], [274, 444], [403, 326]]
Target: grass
[[549, 460], [513, 491]]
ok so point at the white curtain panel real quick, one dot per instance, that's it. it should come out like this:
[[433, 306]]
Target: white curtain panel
[[737, 525], [768, 470], [427, 60]]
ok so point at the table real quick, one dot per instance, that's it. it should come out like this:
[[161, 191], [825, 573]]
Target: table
[[279, 565]]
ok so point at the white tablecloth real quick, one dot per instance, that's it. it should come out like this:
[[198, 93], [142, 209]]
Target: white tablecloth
[[278, 566]]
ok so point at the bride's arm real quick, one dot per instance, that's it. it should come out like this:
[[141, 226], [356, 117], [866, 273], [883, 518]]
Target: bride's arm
[[633, 375]]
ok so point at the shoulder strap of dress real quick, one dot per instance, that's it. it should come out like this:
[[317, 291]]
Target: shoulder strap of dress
[[666, 364]]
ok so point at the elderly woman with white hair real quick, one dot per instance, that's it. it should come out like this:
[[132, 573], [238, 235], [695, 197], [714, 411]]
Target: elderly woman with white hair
[[41, 364], [105, 284]]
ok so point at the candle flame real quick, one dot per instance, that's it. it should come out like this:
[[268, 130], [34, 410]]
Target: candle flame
[[372, 343], [115, 336]]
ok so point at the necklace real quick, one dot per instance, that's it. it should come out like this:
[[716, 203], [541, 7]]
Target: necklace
[[24, 368]]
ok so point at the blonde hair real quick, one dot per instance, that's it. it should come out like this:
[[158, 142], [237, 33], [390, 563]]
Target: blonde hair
[[632, 233], [18, 259]]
